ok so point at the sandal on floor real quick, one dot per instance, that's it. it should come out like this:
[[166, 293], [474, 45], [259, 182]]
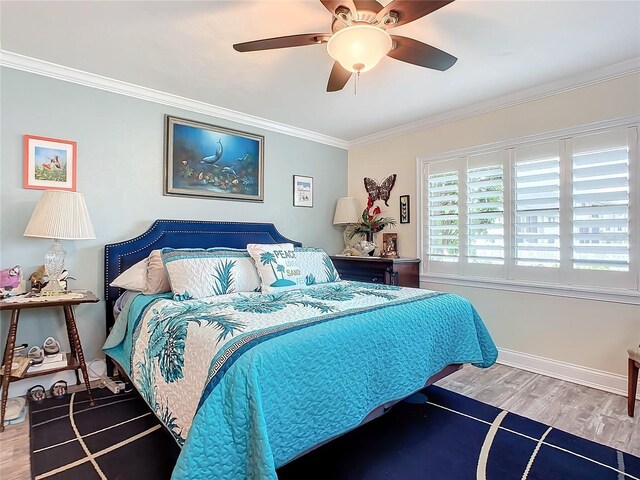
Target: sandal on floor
[[59, 389], [36, 355], [36, 394], [51, 347]]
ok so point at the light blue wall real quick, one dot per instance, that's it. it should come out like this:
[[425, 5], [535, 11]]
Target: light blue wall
[[120, 173]]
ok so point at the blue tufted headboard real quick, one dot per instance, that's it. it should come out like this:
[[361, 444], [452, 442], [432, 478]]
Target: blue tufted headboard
[[180, 234]]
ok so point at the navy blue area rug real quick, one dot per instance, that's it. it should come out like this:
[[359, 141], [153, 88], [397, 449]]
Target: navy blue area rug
[[452, 437], [118, 439]]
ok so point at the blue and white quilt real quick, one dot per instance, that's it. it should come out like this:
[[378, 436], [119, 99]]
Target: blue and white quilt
[[245, 382]]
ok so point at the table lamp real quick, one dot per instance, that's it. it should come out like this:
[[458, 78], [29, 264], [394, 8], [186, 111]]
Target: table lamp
[[59, 215], [346, 214]]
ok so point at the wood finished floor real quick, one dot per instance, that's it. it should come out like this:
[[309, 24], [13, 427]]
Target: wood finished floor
[[583, 411]]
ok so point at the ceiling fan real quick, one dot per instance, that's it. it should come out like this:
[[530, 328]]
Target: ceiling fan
[[359, 38]]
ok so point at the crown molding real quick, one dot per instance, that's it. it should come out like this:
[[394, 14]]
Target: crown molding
[[60, 72], [628, 67], [40, 67]]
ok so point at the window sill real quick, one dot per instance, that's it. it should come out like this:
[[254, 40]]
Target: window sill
[[630, 297]]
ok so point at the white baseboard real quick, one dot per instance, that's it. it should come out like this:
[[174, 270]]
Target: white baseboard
[[589, 377]]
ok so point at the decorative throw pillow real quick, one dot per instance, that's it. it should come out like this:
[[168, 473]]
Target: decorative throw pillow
[[199, 273], [277, 266], [133, 278], [316, 266], [157, 280]]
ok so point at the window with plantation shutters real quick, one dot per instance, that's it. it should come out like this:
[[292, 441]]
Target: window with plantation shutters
[[443, 239], [561, 211], [537, 206], [600, 202], [485, 209]]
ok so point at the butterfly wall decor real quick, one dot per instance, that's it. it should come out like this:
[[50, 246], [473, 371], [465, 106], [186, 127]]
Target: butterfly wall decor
[[381, 191]]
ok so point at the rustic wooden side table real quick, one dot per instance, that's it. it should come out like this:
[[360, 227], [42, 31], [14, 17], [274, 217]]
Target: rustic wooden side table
[[75, 359]]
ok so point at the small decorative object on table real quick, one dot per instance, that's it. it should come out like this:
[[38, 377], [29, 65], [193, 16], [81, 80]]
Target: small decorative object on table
[[11, 281], [302, 191], [405, 209], [39, 279], [371, 223], [389, 245]]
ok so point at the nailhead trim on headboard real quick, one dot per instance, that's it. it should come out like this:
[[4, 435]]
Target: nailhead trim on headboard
[[173, 227]]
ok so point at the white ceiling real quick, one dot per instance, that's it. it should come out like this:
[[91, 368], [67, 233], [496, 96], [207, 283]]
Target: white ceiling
[[185, 48]]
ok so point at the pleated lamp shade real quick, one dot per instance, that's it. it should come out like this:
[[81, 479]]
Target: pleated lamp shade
[[346, 212], [60, 215]]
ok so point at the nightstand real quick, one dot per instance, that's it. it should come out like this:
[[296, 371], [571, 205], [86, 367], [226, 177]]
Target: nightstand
[[75, 359], [403, 272]]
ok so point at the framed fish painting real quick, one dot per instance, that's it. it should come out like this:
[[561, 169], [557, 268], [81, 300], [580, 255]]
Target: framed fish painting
[[203, 160], [49, 163]]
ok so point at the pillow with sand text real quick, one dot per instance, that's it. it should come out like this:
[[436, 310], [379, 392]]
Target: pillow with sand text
[[277, 266]]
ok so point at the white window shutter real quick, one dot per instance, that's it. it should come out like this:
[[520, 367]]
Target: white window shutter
[[485, 222], [536, 210], [601, 229], [442, 215]]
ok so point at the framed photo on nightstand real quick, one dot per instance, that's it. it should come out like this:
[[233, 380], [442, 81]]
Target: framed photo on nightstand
[[389, 245]]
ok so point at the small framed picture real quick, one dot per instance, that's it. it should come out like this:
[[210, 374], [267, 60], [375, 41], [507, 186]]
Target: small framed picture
[[405, 209], [302, 191], [389, 245], [49, 163]]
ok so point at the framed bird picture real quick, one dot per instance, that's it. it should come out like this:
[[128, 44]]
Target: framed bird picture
[[49, 163], [203, 160]]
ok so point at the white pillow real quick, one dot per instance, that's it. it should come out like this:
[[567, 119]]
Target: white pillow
[[199, 273], [157, 276], [133, 278], [316, 266], [277, 266], [147, 276]]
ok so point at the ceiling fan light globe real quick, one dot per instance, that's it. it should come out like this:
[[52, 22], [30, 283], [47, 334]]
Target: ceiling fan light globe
[[359, 48]]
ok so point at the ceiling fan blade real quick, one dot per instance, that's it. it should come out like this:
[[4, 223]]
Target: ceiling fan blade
[[412, 51], [282, 42], [410, 10], [332, 5], [338, 78]]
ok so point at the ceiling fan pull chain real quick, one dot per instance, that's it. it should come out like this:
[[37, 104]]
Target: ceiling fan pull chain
[[355, 84]]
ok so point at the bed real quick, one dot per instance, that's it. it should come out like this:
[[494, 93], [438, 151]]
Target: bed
[[247, 382]]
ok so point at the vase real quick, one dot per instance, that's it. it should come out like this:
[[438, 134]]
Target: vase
[[369, 237]]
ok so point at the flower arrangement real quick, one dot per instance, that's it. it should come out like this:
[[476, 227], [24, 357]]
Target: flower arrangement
[[371, 223]]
